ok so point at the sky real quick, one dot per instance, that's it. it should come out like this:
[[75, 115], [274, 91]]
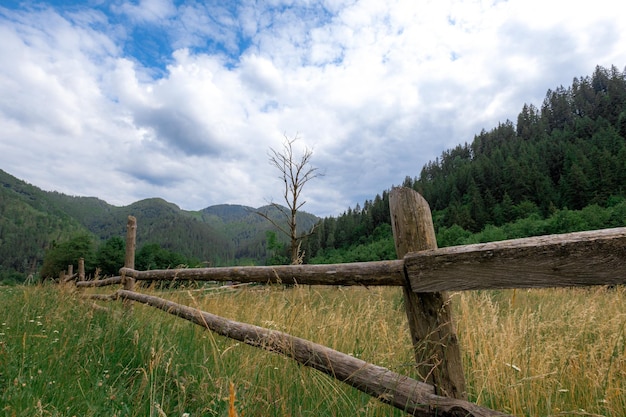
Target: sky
[[183, 100]]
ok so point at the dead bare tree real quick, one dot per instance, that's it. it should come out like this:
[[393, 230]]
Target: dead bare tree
[[295, 172]]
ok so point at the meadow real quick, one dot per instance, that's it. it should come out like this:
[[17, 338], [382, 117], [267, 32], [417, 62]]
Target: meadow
[[549, 352]]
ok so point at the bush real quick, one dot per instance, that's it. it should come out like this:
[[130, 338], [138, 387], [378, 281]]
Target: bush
[[532, 225], [489, 234], [60, 255], [565, 221], [111, 256], [452, 236]]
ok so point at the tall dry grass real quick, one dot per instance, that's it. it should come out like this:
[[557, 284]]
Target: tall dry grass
[[368, 324], [546, 352], [555, 352], [527, 352]]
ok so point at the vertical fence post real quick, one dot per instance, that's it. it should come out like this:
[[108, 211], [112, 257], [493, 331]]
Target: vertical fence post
[[434, 339], [129, 261], [81, 269]]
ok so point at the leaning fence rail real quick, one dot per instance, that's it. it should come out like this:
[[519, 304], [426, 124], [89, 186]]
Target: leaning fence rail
[[407, 394], [426, 273]]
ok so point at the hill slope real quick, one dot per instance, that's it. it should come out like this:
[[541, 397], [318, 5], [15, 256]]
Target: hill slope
[[569, 153], [31, 220], [247, 229]]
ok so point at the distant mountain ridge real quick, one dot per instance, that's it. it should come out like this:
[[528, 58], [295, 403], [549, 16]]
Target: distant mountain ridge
[[247, 230], [32, 219], [227, 212]]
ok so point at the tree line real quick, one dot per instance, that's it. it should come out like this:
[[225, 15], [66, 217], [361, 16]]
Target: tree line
[[106, 258], [567, 155]]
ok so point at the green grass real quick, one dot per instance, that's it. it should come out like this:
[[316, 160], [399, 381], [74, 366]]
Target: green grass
[[531, 353]]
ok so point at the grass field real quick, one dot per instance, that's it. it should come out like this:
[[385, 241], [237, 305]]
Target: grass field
[[555, 352]]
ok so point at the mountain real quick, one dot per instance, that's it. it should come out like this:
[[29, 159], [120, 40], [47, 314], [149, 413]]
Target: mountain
[[568, 153], [29, 224], [248, 230], [32, 220]]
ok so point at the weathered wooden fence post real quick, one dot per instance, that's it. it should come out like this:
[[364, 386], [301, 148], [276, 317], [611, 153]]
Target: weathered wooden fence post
[[129, 261], [81, 269], [66, 276], [436, 346]]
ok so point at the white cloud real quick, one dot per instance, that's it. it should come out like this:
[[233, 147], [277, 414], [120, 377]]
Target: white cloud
[[375, 88], [152, 11]]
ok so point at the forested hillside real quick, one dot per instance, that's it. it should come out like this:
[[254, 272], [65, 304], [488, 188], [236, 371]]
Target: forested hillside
[[35, 223], [248, 231], [28, 226], [564, 156]]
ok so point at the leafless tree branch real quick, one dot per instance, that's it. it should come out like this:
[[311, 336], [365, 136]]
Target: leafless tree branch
[[294, 174]]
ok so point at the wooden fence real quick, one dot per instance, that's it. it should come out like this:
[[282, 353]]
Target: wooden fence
[[425, 273]]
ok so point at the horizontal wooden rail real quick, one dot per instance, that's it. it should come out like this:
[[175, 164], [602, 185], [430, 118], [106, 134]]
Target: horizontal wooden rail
[[573, 259], [100, 282], [388, 273], [407, 394]]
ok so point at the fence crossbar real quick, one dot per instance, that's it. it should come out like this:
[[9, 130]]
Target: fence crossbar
[[402, 392], [572, 259], [100, 282], [596, 257], [381, 273]]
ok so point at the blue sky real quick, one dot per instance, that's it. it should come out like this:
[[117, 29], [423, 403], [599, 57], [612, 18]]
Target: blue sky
[[125, 100]]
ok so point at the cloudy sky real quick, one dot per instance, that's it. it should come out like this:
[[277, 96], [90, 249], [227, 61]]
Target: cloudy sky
[[125, 100]]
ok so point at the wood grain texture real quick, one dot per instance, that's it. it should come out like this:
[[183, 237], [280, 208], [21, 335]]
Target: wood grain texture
[[100, 282], [129, 259], [435, 344], [573, 259], [386, 273]]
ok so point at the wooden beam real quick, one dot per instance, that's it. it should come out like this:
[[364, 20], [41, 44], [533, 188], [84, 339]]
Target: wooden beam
[[386, 273], [100, 282], [129, 259], [572, 259], [128, 282], [81, 269], [404, 393], [435, 343]]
